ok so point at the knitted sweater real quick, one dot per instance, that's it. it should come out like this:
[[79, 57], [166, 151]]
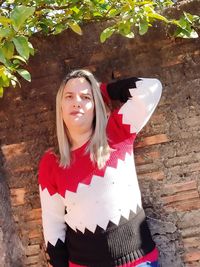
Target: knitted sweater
[[94, 217]]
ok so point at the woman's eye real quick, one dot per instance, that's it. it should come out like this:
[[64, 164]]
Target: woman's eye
[[86, 97], [68, 97]]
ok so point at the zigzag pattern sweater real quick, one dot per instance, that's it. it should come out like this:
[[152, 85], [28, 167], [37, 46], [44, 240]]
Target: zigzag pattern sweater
[[94, 217]]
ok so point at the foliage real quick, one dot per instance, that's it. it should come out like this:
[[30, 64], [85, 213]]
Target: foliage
[[20, 19]]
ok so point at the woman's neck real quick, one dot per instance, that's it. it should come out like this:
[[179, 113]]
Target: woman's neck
[[79, 139]]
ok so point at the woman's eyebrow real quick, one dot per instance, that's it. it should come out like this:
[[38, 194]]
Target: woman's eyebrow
[[83, 93], [68, 92]]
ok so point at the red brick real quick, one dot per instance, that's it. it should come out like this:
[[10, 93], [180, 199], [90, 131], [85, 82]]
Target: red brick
[[32, 259], [158, 175], [153, 140], [33, 214], [180, 197], [192, 256], [190, 122], [21, 169], [34, 233], [191, 242], [91, 67], [189, 219], [147, 157], [13, 150], [32, 250], [157, 118], [180, 160], [179, 187], [189, 205], [17, 196], [192, 264], [173, 61], [186, 168], [191, 230], [97, 57]]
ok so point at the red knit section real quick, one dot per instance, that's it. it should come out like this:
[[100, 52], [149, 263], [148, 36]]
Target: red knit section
[[69, 178], [46, 172], [117, 131], [51, 175]]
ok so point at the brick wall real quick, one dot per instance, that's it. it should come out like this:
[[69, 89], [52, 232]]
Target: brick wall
[[167, 151]]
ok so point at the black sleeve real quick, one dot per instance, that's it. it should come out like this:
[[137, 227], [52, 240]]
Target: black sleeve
[[119, 90]]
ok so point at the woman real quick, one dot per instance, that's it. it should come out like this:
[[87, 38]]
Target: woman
[[91, 204]]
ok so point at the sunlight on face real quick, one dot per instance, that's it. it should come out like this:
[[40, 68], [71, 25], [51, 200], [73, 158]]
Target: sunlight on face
[[78, 105]]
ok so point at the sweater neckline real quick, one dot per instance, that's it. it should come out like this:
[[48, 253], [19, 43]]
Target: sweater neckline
[[80, 149]]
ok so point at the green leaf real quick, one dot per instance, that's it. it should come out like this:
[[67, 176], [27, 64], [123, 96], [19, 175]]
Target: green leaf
[[4, 20], [196, 18], [2, 56], [188, 16], [1, 92], [4, 79], [193, 34], [106, 34], [130, 35], [157, 16], [5, 32], [125, 8], [97, 14], [186, 33], [2, 69], [75, 27], [143, 27], [22, 46], [113, 12], [20, 58], [25, 74], [16, 63], [14, 81], [182, 23], [31, 49], [8, 49], [58, 28], [75, 9], [20, 14], [124, 27], [127, 34], [131, 3]]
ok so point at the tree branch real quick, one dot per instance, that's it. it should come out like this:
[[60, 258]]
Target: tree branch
[[54, 7]]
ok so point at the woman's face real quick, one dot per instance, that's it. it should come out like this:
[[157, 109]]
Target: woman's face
[[78, 105]]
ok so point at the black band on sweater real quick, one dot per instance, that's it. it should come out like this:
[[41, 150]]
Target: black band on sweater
[[58, 254], [119, 90], [117, 245]]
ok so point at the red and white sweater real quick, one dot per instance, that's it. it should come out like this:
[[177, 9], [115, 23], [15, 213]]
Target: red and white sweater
[[94, 217]]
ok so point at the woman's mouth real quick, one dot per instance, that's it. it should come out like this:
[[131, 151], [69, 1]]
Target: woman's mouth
[[75, 113]]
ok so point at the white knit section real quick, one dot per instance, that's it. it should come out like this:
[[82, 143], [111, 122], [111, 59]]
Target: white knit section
[[137, 110], [53, 211], [105, 199]]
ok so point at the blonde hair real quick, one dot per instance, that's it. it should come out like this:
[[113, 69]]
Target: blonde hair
[[98, 146]]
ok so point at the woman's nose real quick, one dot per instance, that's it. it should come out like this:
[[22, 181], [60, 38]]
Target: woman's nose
[[77, 102], [77, 105]]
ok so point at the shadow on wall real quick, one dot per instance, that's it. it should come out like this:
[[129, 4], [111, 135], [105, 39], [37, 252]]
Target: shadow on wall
[[165, 236], [11, 249]]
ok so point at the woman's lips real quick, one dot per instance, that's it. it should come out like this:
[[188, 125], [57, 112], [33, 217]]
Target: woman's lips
[[74, 113]]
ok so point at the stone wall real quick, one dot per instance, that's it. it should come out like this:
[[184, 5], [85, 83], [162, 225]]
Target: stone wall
[[167, 150]]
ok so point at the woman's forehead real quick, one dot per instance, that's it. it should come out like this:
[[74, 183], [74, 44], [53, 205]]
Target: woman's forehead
[[78, 84]]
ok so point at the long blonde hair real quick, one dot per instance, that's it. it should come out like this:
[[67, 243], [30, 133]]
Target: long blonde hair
[[98, 146]]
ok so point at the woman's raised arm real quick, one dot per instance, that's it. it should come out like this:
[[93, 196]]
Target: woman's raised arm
[[139, 96]]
